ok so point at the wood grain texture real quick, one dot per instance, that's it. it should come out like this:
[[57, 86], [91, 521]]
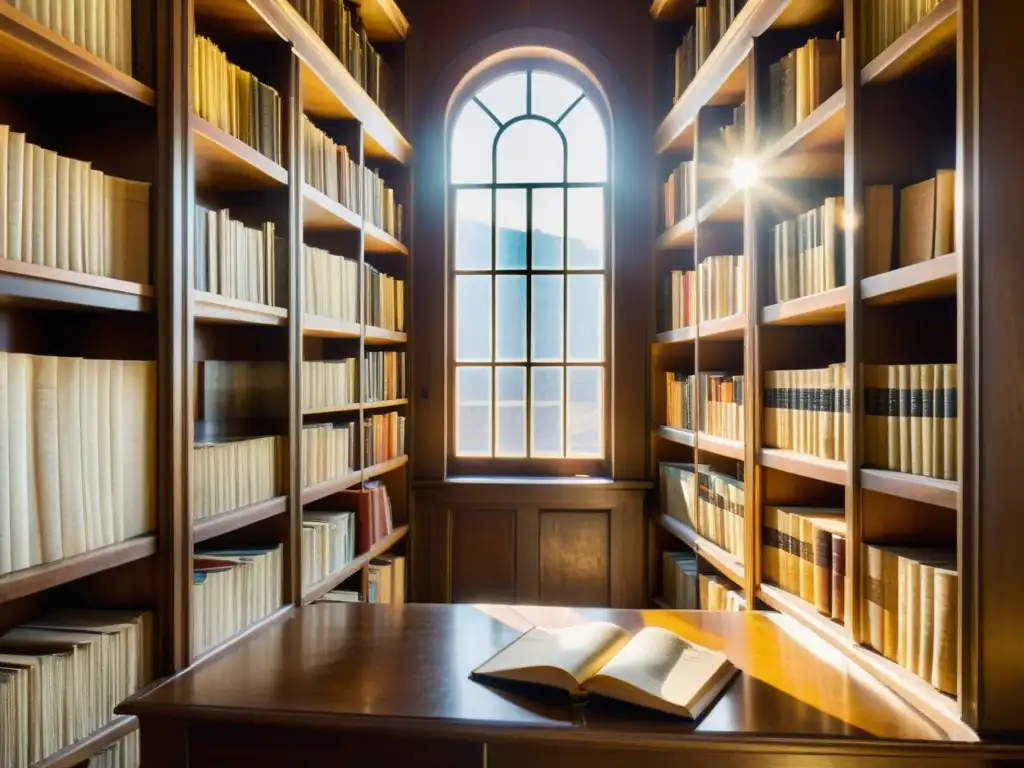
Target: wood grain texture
[[574, 558], [483, 555]]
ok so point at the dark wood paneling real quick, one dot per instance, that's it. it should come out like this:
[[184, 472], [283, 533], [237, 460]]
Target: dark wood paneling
[[483, 555], [574, 558]]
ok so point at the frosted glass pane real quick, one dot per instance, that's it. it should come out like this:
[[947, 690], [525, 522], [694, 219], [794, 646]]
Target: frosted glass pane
[[473, 318], [588, 146], [473, 229], [473, 419], [586, 228], [584, 420], [511, 397], [548, 228], [546, 309], [510, 315], [506, 96], [552, 95], [473, 145], [546, 422], [586, 318], [511, 234], [530, 151]]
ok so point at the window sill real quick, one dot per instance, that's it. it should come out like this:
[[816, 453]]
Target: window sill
[[606, 483]]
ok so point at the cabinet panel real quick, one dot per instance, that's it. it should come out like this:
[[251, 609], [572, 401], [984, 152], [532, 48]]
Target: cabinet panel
[[574, 558], [483, 555]]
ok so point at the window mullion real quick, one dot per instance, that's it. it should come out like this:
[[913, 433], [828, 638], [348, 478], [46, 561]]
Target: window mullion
[[529, 323], [565, 312]]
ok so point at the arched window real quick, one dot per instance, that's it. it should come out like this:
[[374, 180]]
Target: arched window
[[528, 185]]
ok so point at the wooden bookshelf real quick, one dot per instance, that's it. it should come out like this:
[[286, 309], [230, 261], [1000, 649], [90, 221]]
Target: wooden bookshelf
[[379, 241], [328, 327], [211, 308], [380, 405], [932, 38], [676, 435], [823, 308], [720, 446], [813, 148], [376, 335], [680, 235], [677, 336], [932, 279], [724, 562], [218, 525], [804, 465], [331, 409], [34, 284], [318, 491], [226, 162], [269, 620], [731, 327], [319, 212], [318, 590], [726, 206], [927, 490], [384, 467], [98, 740], [383, 20]]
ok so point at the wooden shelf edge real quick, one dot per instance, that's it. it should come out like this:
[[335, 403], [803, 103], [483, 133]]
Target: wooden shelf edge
[[379, 241], [928, 490], [375, 335], [926, 280], [683, 335], [341, 217], [384, 467], [679, 235], [825, 308], [381, 404], [331, 409], [676, 435], [933, 32], [720, 208], [805, 465], [246, 160], [731, 327], [63, 286], [352, 567], [941, 710], [724, 562], [48, 575], [328, 327], [827, 110], [316, 492], [223, 309], [217, 525], [720, 446], [83, 749], [271, 618], [383, 20]]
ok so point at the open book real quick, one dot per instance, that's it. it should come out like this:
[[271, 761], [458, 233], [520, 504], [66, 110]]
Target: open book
[[655, 668]]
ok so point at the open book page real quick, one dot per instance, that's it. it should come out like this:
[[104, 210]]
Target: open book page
[[561, 658], [660, 670]]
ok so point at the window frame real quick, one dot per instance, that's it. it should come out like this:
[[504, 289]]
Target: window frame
[[529, 466]]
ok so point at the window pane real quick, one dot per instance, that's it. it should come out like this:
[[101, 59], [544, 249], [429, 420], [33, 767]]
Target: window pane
[[473, 417], [584, 419], [546, 311], [473, 229], [472, 145], [548, 228], [506, 96], [588, 148], [586, 228], [511, 397], [546, 419], [473, 318], [510, 316], [586, 318], [530, 151], [511, 228], [552, 95]]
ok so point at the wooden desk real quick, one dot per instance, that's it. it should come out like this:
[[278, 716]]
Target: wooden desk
[[390, 685]]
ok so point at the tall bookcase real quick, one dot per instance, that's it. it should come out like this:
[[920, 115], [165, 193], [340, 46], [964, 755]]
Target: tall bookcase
[[142, 127], [898, 117]]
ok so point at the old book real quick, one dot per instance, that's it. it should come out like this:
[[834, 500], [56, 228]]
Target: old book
[[91, 454], [938, 419], [22, 491], [5, 471], [4, 144], [824, 531], [950, 447], [655, 668], [945, 194], [28, 204], [69, 413], [890, 604], [904, 418], [838, 600], [49, 220], [926, 621], [76, 202], [916, 419], [63, 225], [873, 605], [901, 640], [770, 545], [945, 646], [892, 421], [46, 455], [878, 203], [917, 222], [927, 418], [14, 181], [913, 612]]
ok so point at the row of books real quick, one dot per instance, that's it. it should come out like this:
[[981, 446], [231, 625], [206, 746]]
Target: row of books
[[680, 303], [104, 29], [883, 21], [379, 206], [386, 582], [329, 383], [62, 675], [237, 390], [710, 24], [231, 589], [723, 286], [233, 260], [910, 419], [680, 193], [717, 593], [809, 255], [236, 474], [926, 216], [718, 509], [63, 213], [234, 100], [328, 543], [679, 399], [804, 553], [384, 376], [383, 437], [721, 411], [330, 285], [327, 452], [77, 455], [123, 753], [808, 411], [802, 80], [328, 167], [679, 580], [910, 610], [385, 299]]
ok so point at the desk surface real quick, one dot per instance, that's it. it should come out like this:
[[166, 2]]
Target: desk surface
[[405, 669]]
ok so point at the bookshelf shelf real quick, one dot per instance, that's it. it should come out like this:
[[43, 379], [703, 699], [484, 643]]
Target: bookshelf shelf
[[83, 749], [382, 404], [676, 435], [376, 335], [383, 20], [679, 235], [814, 147], [928, 490], [211, 308], [223, 161], [316, 492], [825, 308], [33, 284], [731, 327], [210, 527], [931, 39], [379, 241], [930, 279], [235, 19], [826, 470], [667, 10], [721, 446], [328, 327], [384, 467], [685, 335], [321, 213], [331, 409], [801, 610], [33, 57], [271, 618], [726, 563], [318, 590], [725, 207], [48, 575]]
